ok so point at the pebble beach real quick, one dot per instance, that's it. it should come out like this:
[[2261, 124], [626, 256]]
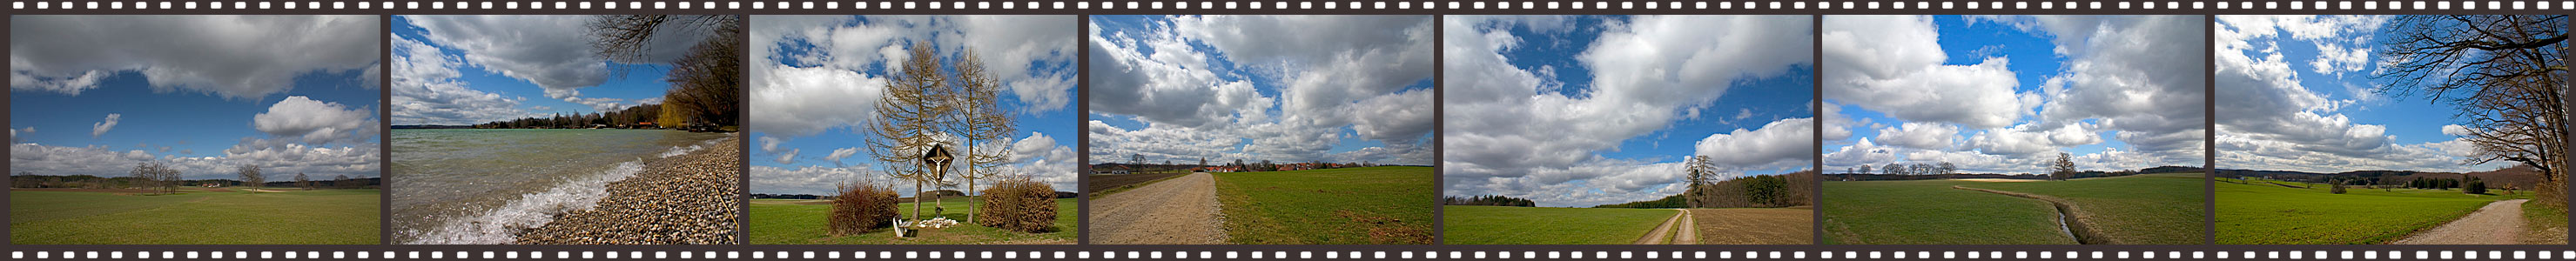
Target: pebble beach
[[684, 199]]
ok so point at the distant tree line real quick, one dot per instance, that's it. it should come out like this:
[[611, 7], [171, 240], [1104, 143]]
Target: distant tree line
[[634, 117], [32, 180], [1488, 200]]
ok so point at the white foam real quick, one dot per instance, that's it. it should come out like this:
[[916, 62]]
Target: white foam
[[677, 150], [531, 210]]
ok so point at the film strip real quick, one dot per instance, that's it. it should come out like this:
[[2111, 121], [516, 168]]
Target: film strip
[[1135, 19]]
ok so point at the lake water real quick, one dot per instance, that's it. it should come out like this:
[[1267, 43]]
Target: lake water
[[475, 186]]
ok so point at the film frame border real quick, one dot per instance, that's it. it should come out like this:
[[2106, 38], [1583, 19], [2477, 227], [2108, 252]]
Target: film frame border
[[1301, 251]]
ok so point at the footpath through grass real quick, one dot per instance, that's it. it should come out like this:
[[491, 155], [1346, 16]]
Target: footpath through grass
[[330, 216], [2157, 209], [1372, 205], [801, 222], [1930, 212], [2263, 213], [1493, 225]]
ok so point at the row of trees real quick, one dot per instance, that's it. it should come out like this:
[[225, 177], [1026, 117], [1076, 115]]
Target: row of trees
[[2471, 185], [166, 178], [631, 117], [1943, 168], [1138, 161], [1488, 200], [157, 176], [2061, 169], [1704, 190]]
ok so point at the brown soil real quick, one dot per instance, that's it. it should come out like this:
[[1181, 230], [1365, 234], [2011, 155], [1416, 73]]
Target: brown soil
[[2498, 223], [1754, 226], [1181, 210], [1103, 184]]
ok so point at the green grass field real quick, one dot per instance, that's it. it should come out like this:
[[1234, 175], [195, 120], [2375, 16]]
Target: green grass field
[[1930, 212], [800, 222], [2543, 225], [1373, 205], [2260, 213], [328, 216], [2158, 209], [1492, 225]]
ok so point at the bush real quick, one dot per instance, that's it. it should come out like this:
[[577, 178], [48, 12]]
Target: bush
[[2338, 188], [861, 207], [1018, 204]]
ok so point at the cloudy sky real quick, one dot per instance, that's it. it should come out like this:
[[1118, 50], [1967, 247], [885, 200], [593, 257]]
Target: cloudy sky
[[816, 79], [463, 70], [1280, 88], [2005, 94], [1576, 111], [96, 95], [2295, 94]]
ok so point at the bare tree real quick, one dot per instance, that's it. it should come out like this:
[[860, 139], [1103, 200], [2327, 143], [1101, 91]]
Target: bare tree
[[1864, 169], [984, 123], [908, 115], [156, 176], [1949, 170], [2063, 168], [2505, 74], [250, 176], [706, 81], [302, 182], [1697, 173]]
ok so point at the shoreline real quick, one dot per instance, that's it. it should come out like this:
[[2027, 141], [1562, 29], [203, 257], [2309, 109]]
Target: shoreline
[[680, 199]]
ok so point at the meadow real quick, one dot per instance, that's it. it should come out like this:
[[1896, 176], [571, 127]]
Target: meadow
[[1491, 225], [2159, 208], [1372, 205], [800, 222], [196, 216], [1930, 212], [2261, 212]]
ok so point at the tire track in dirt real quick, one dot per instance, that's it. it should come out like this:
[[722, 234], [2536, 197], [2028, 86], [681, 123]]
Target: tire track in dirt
[[1658, 236], [2498, 223], [1176, 211], [1689, 230]]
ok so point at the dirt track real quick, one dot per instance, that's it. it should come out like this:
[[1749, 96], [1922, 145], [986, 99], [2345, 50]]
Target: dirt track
[[2498, 223], [1659, 235], [1689, 230], [1177, 211]]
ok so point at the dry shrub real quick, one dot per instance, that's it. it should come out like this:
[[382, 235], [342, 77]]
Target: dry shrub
[[1018, 203], [861, 207]]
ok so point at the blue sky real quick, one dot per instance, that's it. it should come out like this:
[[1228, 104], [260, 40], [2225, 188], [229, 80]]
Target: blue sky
[[463, 70], [2315, 108], [815, 82], [2005, 93], [199, 111], [1586, 110], [1350, 89]]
